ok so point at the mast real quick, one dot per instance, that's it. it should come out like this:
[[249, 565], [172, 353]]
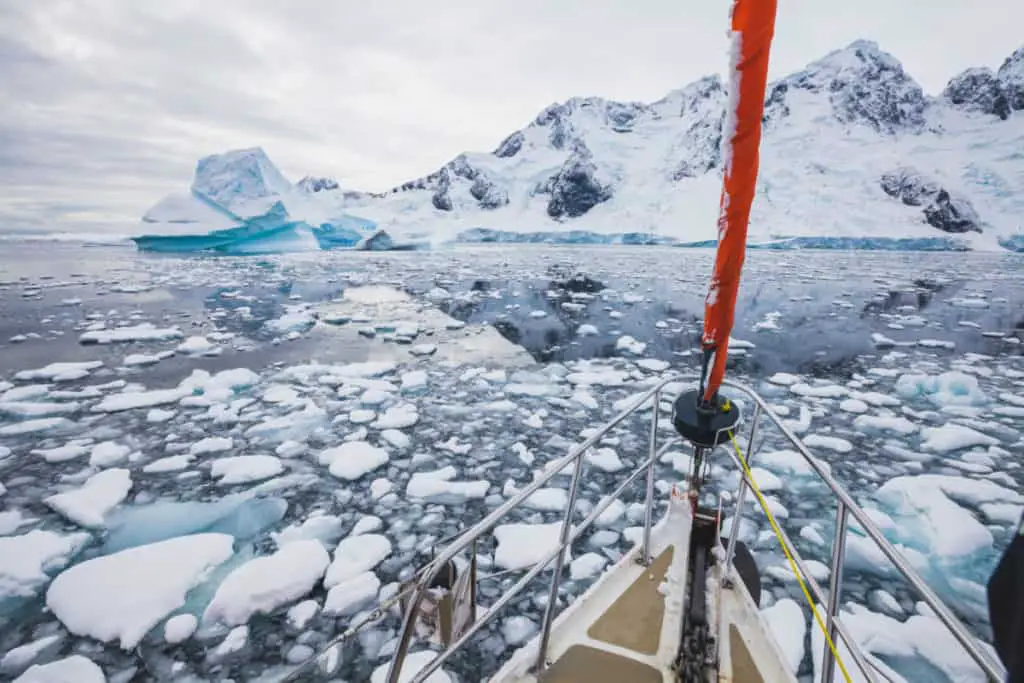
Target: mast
[[753, 24]]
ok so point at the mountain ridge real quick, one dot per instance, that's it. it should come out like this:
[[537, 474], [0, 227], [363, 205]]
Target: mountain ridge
[[590, 163]]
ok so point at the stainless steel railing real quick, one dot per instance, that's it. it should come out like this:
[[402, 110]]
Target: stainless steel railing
[[846, 507], [568, 534]]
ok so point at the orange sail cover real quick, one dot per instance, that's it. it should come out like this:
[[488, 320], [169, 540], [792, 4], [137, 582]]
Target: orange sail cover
[[753, 23]]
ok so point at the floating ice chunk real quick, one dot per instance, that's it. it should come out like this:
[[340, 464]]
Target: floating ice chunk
[[520, 546], [601, 377], [324, 528], [262, 585], [585, 399], [788, 625], [1002, 513], [547, 499], [380, 488], [89, 504], [374, 397], [367, 524], [18, 659], [157, 416], [414, 380], [362, 416], [108, 453], [936, 344], [1012, 399], [615, 511], [949, 388], [298, 318], [295, 426], [172, 463], [819, 391], [784, 379], [930, 520], [398, 439], [353, 459], [630, 345], [355, 555], [605, 459], [131, 400], [180, 628], [831, 443], [212, 444], [423, 349], [240, 515], [534, 390], [242, 469], [809, 533], [788, 461], [27, 409], [25, 560], [69, 451], [235, 641], [73, 669], [653, 364], [876, 398], [953, 437], [199, 346], [414, 663], [802, 423], [146, 332], [120, 597], [881, 341], [300, 614], [853, 405], [140, 359], [518, 629], [60, 372], [586, 330], [884, 423], [397, 417], [352, 595], [43, 424], [25, 393], [438, 487], [765, 480]]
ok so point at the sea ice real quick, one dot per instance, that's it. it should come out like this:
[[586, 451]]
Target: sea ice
[[146, 332], [124, 595], [353, 459], [27, 560], [242, 469], [73, 669], [266, 583], [355, 555], [520, 546], [438, 487], [89, 504]]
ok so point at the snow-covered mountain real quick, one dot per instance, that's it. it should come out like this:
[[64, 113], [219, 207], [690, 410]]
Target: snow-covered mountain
[[853, 148]]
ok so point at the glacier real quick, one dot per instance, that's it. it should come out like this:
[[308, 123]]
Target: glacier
[[240, 203]]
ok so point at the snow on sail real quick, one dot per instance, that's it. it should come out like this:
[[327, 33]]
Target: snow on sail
[[753, 24]]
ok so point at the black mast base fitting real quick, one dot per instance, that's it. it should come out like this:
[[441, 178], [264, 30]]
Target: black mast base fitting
[[705, 425]]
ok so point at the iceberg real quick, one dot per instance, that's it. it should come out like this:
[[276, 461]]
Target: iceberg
[[240, 203]]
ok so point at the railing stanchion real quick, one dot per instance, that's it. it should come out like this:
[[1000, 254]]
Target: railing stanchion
[[645, 553], [741, 492], [835, 590], [564, 539]]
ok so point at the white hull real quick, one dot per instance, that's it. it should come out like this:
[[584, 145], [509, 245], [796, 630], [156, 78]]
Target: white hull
[[627, 627]]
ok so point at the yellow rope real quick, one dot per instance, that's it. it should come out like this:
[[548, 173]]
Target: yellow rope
[[789, 556]]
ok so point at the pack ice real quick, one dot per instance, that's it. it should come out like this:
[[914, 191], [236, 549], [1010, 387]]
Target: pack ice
[[240, 203]]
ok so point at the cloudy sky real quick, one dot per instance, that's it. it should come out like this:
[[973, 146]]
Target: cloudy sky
[[107, 104]]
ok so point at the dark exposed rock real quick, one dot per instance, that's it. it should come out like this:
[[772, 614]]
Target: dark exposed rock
[[510, 146], [1011, 76], [864, 85], [313, 184], [978, 90], [574, 189], [942, 210]]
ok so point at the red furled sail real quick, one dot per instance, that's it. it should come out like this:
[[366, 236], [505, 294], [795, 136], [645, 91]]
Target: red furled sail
[[753, 24]]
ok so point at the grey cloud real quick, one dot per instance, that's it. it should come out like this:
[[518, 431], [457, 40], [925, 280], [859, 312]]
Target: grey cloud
[[108, 103]]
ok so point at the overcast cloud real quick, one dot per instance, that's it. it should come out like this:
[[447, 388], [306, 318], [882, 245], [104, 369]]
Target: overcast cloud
[[107, 104]]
